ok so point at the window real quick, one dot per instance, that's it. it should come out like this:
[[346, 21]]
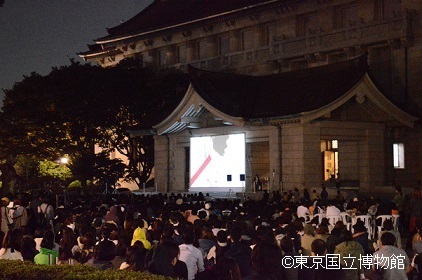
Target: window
[[329, 149], [386, 8], [306, 23], [181, 54], [248, 39], [223, 45], [270, 34], [345, 15], [398, 155], [201, 48], [139, 57], [162, 57]]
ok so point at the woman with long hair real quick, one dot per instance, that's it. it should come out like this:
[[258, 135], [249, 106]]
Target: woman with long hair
[[165, 261], [66, 246], [134, 259], [12, 245]]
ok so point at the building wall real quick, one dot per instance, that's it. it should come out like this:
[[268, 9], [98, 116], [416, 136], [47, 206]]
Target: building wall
[[361, 154], [304, 35], [308, 34], [301, 157]]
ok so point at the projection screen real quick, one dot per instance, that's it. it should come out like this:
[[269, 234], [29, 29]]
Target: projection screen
[[217, 161]]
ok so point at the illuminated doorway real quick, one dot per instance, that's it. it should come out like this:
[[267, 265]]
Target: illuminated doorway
[[329, 150]]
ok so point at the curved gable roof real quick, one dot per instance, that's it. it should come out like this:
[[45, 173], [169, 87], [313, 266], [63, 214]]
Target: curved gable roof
[[298, 96], [284, 94]]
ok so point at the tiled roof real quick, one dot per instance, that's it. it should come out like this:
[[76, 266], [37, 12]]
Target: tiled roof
[[280, 95], [169, 13]]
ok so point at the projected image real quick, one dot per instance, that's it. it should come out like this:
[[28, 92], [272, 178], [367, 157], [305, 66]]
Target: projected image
[[217, 161]]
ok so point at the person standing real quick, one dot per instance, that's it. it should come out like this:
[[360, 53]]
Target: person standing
[[324, 194], [20, 216], [5, 218], [415, 208], [399, 200], [46, 213]]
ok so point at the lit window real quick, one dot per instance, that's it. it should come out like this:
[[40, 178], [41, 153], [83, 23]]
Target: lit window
[[334, 144], [398, 155]]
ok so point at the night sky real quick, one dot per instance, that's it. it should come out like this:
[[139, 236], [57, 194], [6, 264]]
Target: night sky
[[36, 35]]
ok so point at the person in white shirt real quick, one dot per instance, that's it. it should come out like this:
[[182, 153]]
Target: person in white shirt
[[303, 211], [332, 210], [191, 255]]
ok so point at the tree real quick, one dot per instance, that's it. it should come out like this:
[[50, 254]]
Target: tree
[[158, 92], [77, 107]]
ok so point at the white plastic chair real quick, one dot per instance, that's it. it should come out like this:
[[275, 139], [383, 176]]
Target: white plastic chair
[[347, 220], [307, 217], [320, 217], [396, 218], [382, 218], [321, 210], [333, 219], [367, 220]]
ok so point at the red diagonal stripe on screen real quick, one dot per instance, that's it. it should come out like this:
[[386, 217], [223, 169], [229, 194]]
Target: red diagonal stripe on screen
[[201, 168]]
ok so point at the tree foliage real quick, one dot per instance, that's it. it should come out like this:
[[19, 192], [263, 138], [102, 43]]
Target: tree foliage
[[78, 107]]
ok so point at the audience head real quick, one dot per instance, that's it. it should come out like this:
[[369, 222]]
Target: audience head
[[287, 245], [318, 247], [105, 251], [226, 269], [346, 236], [387, 238], [48, 240], [222, 236], [266, 259], [188, 236], [359, 226], [388, 225], [323, 229], [235, 233], [164, 259], [207, 233], [340, 225], [135, 258]]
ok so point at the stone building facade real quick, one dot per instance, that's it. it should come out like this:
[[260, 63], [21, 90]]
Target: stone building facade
[[262, 37]]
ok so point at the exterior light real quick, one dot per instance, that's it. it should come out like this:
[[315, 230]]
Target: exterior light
[[64, 160]]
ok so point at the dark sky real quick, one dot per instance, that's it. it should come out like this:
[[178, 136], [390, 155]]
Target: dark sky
[[36, 35]]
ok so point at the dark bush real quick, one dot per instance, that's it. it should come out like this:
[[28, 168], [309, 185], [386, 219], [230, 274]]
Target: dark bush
[[18, 270]]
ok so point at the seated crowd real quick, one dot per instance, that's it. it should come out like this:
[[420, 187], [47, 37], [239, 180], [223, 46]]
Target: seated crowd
[[195, 237]]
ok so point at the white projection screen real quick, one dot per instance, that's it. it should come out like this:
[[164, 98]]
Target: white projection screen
[[217, 161]]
